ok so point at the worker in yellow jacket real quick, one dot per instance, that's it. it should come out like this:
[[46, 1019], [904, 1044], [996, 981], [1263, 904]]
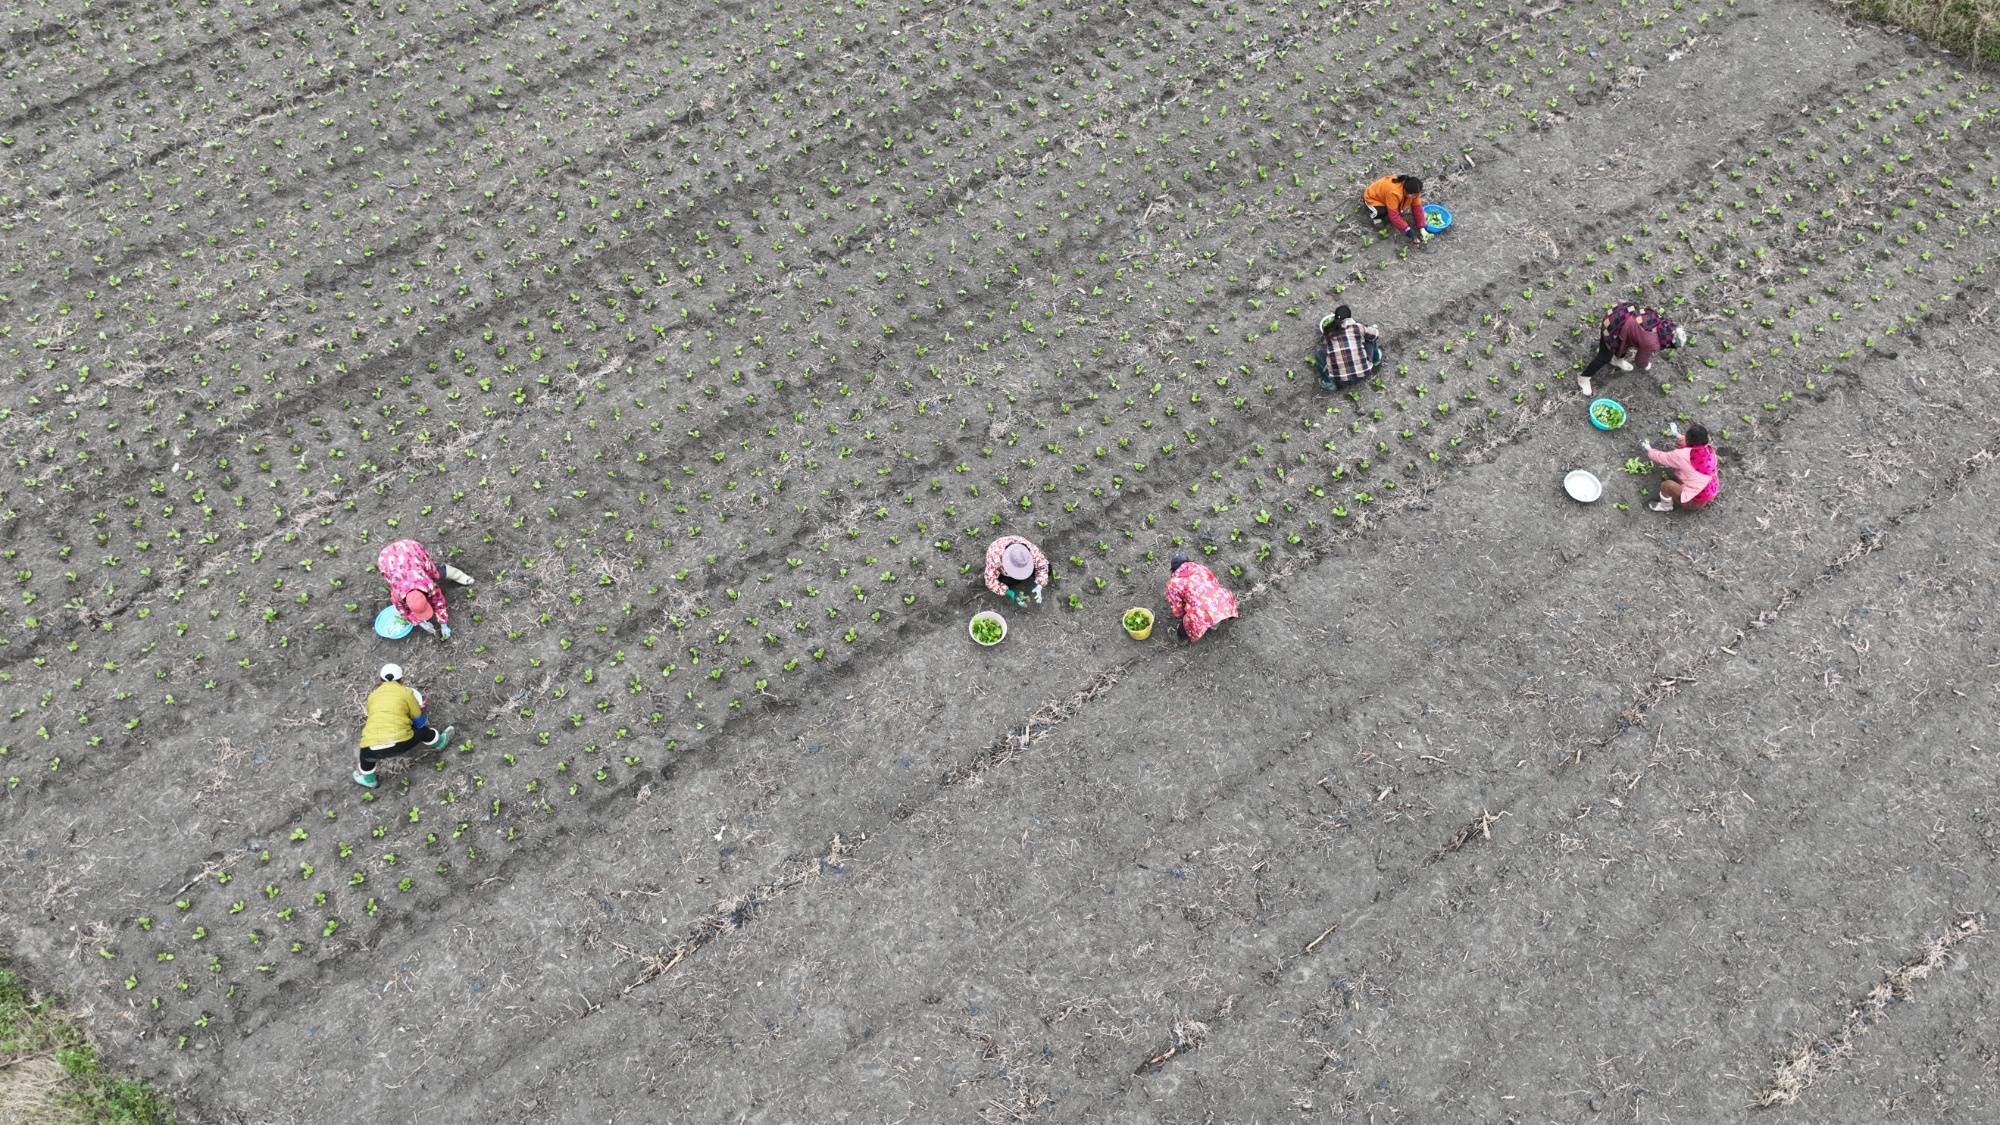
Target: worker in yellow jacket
[[396, 725]]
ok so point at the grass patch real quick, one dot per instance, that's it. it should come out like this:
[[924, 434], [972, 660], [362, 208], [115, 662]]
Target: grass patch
[[49, 1073], [1971, 27]]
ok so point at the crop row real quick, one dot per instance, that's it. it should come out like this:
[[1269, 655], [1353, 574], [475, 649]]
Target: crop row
[[305, 893], [337, 453], [573, 783], [603, 602], [839, 505]]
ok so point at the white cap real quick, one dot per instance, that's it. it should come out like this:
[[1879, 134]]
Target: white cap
[[392, 671]]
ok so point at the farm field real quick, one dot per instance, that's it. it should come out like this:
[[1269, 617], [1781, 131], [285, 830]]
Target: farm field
[[718, 339]]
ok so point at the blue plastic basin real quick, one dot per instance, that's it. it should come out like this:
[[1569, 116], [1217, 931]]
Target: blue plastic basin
[[390, 625]]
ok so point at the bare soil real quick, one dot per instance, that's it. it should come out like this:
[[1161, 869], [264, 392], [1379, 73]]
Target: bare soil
[[717, 342]]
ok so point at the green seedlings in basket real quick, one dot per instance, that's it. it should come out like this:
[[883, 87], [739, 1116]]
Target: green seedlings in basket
[[986, 631]]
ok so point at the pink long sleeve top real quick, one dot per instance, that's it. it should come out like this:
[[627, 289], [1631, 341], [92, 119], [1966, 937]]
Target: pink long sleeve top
[[1694, 466]]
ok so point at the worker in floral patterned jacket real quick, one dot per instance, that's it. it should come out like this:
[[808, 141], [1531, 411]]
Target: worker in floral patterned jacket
[[416, 585], [1197, 599], [1628, 337], [1016, 569]]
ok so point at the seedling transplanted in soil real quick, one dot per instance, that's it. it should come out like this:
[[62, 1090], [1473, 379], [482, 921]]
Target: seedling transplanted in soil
[[721, 357]]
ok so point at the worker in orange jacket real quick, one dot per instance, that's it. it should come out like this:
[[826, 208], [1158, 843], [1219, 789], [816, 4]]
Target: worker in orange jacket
[[1399, 202]]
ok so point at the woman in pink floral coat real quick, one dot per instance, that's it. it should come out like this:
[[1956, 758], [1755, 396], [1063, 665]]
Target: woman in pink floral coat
[[416, 585], [1197, 599]]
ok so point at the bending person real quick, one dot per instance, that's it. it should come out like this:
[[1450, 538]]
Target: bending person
[[1349, 351], [416, 585], [1016, 569], [1399, 202], [1629, 337], [1196, 599]]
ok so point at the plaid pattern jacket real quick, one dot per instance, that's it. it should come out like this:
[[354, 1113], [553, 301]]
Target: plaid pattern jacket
[[1343, 356]]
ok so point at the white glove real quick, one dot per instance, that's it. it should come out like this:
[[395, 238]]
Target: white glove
[[1674, 428], [1646, 445], [444, 632], [1038, 595], [427, 627]]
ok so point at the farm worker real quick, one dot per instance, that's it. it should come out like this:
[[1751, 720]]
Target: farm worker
[[1016, 569], [1196, 598], [414, 585], [395, 726], [1629, 337], [1348, 350], [1394, 197], [1693, 483]]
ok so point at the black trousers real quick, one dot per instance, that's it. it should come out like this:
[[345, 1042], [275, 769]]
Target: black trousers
[[371, 757], [1598, 363]]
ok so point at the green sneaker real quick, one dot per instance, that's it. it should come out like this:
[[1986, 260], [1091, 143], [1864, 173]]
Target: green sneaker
[[366, 779]]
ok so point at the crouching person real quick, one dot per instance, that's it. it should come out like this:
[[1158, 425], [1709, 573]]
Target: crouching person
[[395, 726], [1196, 599], [1693, 479]]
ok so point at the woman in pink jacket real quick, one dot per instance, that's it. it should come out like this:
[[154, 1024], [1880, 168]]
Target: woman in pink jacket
[[416, 585], [1692, 465], [1196, 598]]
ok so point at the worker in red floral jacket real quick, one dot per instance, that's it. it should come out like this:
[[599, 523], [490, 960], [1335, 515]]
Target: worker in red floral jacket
[[415, 589], [1197, 599]]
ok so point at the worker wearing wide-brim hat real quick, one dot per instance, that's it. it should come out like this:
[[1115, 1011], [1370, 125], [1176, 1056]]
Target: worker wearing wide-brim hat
[[1016, 569]]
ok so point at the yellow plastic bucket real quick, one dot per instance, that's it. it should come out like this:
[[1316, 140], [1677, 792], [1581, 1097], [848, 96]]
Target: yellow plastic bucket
[[1139, 634]]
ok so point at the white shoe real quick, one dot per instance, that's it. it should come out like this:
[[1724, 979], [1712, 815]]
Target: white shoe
[[1621, 363], [453, 574], [1661, 506], [1583, 384]]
